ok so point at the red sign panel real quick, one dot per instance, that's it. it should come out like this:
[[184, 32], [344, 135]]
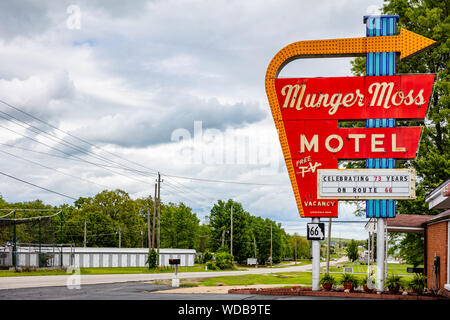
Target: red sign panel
[[375, 97], [310, 110], [323, 139], [318, 144]]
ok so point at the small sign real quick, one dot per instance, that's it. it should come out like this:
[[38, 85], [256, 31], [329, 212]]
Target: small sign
[[356, 184], [174, 261], [348, 270], [414, 270], [251, 261], [316, 231]]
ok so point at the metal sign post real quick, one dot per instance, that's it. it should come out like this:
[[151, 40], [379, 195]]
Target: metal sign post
[[315, 260], [175, 280]]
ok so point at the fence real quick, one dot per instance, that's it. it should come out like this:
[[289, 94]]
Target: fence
[[37, 255], [67, 255]]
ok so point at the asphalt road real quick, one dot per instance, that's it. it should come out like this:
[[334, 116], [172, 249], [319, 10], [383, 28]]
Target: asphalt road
[[74, 280], [127, 291]]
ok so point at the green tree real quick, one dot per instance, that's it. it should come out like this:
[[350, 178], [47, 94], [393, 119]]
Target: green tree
[[303, 247], [352, 250], [220, 223], [179, 226], [114, 208], [411, 248]]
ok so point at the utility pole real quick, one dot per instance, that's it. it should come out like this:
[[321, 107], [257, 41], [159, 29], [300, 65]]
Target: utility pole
[[254, 245], [271, 245], [154, 218], [61, 240], [328, 245], [85, 234], [15, 242], [223, 234], [295, 250], [159, 212], [40, 244], [149, 236], [231, 234], [120, 239]]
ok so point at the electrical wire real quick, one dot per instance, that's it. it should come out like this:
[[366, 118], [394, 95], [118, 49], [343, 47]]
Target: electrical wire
[[35, 185], [128, 160], [54, 169]]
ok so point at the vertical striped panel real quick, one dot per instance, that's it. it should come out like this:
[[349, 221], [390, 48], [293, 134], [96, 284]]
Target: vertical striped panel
[[380, 64]]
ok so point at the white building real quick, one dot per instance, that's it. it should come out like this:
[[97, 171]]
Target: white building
[[92, 257]]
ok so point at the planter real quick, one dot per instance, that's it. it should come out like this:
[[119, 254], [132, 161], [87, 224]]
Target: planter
[[366, 289], [418, 291], [394, 290], [348, 286], [327, 286]]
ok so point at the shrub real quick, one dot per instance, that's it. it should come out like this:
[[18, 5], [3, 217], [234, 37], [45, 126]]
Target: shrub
[[207, 256], [224, 260], [349, 278], [211, 265], [152, 259], [418, 283], [393, 282], [327, 278]]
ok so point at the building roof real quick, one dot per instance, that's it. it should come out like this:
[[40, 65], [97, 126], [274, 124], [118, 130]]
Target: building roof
[[441, 216], [407, 223], [439, 198], [414, 223]]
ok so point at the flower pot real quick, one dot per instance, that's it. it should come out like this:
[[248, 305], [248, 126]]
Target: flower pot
[[394, 290], [327, 286], [348, 286], [366, 289], [418, 291]]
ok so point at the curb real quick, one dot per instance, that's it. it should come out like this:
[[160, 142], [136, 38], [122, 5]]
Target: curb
[[304, 291]]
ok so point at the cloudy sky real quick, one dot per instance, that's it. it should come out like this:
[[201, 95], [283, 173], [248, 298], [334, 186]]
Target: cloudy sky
[[104, 94]]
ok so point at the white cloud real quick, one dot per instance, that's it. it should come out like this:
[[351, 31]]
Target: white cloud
[[135, 72]]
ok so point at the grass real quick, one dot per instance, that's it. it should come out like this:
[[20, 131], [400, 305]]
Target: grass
[[392, 268], [85, 271], [12, 273], [273, 278], [126, 270]]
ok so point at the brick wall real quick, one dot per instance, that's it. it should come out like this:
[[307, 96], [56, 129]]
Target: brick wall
[[437, 245]]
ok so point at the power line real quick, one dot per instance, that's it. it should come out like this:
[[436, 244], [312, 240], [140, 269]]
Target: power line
[[35, 185], [222, 181], [70, 155], [71, 135], [99, 157], [128, 160], [54, 169]]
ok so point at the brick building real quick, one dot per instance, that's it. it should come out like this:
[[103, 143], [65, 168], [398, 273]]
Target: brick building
[[437, 239], [436, 230]]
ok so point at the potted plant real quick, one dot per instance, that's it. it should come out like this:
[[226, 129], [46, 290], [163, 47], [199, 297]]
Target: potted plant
[[393, 283], [327, 281], [349, 281], [418, 283], [367, 283]]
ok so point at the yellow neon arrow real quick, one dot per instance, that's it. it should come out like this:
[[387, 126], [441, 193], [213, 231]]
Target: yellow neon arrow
[[407, 43]]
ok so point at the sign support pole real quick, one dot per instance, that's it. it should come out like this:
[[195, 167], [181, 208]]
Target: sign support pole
[[315, 260], [380, 254], [380, 63]]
